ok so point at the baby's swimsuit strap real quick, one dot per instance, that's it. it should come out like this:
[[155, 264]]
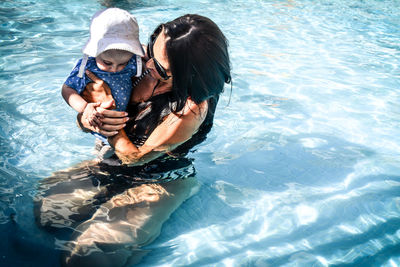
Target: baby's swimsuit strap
[[83, 66]]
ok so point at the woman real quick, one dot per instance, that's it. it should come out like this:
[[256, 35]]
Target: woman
[[129, 196]]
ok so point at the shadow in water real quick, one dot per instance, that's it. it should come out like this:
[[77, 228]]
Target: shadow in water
[[18, 247], [305, 159], [377, 259], [131, 4]]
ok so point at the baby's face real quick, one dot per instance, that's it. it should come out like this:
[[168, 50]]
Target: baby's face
[[113, 60]]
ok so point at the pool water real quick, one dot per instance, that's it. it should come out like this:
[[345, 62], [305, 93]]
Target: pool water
[[302, 167]]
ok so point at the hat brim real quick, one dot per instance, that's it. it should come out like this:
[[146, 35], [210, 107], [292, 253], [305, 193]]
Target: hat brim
[[93, 49]]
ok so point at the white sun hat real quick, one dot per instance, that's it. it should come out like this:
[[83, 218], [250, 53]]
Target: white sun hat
[[113, 28]]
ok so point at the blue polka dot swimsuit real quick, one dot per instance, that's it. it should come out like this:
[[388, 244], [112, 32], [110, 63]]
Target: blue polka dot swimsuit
[[120, 82]]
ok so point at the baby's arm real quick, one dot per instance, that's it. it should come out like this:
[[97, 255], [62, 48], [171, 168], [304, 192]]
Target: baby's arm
[[78, 103], [73, 98]]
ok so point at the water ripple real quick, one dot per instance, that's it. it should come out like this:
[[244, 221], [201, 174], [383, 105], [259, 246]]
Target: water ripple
[[301, 168]]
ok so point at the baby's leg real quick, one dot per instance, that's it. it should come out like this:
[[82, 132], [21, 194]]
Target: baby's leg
[[128, 221], [91, 95]]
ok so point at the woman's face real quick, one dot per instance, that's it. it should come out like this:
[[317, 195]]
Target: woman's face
[[159, 54]]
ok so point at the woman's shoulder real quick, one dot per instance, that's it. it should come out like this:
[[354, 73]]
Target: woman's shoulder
[[194, 109]]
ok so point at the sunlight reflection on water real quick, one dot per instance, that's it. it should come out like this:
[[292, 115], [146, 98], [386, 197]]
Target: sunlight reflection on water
[[301, 167]]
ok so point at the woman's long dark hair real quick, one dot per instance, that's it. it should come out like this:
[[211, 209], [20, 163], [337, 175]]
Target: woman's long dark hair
[[198, 56]]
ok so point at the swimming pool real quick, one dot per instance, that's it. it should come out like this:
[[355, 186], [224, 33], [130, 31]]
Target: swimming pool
[[301, 168]]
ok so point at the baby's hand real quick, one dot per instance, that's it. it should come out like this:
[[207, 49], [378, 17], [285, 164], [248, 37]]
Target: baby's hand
[[92, 116]]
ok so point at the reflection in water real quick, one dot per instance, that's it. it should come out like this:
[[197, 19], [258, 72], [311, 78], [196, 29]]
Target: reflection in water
[[313, 122], [112, 211], [129, 4]]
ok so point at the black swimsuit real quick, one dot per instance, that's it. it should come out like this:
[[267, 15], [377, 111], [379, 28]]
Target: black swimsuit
[[149, 114]]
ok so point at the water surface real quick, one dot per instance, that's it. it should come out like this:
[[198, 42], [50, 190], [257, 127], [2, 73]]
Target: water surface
[[300, 169]]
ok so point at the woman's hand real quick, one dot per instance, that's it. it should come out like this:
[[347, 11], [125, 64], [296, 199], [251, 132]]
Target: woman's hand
[[111, 121]]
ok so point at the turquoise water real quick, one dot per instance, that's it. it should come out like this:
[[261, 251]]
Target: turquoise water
[[302, 168]]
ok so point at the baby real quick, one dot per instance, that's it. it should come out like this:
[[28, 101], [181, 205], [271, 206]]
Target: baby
[[113, 53]]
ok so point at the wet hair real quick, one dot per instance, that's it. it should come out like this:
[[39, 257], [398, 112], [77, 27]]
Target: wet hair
[[197, 51], [199, 62]]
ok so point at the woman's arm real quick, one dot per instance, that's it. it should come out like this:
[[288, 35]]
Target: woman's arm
[[173, 131]]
